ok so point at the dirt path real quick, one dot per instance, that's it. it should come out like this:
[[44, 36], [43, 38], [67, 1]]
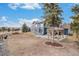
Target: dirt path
[[27, 45]]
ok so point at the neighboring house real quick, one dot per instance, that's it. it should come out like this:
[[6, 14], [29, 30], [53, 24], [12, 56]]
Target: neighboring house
[[39, 28], [67, 29]]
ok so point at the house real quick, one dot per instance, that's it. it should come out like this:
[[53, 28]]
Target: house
[[39, 28], [67, 29]]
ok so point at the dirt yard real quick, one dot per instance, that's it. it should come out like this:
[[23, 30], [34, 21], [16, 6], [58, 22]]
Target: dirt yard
[[26, 44]]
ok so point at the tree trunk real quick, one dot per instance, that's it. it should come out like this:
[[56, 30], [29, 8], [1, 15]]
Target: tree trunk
[[53, 35], [77, 37]]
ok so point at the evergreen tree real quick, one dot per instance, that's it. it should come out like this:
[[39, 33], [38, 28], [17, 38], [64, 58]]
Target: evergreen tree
[[75, 18], [25, 28], [52, 14]]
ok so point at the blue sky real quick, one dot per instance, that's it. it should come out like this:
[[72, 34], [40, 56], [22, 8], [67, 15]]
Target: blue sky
[[14, 15]]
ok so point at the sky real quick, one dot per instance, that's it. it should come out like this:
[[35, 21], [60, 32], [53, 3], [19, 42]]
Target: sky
[[15, 14]]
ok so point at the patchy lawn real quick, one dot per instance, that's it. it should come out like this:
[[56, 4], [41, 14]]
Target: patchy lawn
[[28, 45]]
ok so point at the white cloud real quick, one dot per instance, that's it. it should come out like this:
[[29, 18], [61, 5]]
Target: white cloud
[[3, 18], [30, 6], [36, 19], [14, 5], [10, 24], [27, 21], [22, 21], [4, 22], [24, 6]]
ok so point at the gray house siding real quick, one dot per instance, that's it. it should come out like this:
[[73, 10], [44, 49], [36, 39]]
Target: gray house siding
[[38, 28]]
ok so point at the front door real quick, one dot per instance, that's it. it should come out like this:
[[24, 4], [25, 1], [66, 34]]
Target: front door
[[65, 31]]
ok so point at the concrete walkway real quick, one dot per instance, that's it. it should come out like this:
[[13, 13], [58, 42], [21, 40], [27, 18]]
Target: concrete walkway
[[55, 37]]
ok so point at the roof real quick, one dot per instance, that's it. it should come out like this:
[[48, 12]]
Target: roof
[[56, 28], [66, 26], [37, 22]]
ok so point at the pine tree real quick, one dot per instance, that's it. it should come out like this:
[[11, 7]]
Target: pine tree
[[75, 18], [24, 28], [52, 14]]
